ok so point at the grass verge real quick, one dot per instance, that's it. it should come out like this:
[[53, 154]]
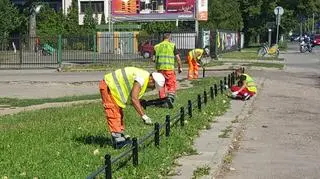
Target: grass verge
[[70, 142], [267, 65], [247, 54], [201, 171], [15, 102]]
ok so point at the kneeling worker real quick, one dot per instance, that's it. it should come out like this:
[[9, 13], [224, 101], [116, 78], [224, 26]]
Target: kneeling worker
[[121, 87], [193, 58], [247, 87]]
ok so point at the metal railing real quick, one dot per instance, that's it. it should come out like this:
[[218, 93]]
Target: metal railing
[[103, 48], [169, 122]]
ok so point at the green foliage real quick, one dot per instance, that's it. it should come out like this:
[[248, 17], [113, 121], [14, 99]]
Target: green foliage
[[9, 18], [103, 19], [222, 17], [89, 22], [50, 23], [70, 142], [154, 27]]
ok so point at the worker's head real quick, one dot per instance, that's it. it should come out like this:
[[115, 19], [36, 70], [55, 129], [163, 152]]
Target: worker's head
[[239, 72], [156, 80], [206, 51], [167, 36]]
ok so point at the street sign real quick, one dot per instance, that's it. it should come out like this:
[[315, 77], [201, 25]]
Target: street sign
[[278, 10]]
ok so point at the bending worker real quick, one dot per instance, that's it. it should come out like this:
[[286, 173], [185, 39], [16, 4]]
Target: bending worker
[[165, 54], [247, 87], [121, 87], [193, 58]]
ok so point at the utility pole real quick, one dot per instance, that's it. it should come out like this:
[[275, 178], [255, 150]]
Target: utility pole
[[313, 23], [278, 11]]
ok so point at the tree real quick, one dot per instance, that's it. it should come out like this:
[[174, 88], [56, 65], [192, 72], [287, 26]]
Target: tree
[[103, 19], [50, 23], [89, 21], [10, 19], [72, 26]]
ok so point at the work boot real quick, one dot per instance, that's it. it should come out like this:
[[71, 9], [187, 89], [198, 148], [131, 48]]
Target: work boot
[[246, 97], [120, 140]]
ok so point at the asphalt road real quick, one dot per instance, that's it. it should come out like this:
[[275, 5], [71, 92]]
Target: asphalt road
[[282, 135]]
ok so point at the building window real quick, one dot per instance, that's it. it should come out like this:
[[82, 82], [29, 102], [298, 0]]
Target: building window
[[96, 6]]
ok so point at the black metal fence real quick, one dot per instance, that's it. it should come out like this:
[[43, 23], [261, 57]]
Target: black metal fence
[[104, 48], [169, 122]]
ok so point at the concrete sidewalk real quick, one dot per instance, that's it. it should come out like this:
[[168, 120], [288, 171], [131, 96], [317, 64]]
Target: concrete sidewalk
[[210, 147]]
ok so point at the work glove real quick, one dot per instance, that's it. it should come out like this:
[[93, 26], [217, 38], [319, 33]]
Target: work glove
[[147, 120], [179, 70], [234, 94]]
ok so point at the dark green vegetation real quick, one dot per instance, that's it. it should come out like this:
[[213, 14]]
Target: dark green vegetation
[[250, 17], [70, 142]]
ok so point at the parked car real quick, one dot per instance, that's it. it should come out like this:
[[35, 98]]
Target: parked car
[[146, 48], [315, 40]]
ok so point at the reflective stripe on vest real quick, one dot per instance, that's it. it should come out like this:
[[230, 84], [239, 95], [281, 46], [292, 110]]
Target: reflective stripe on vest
[[120, 83], [165, 55], [251, 85], [116, 81]]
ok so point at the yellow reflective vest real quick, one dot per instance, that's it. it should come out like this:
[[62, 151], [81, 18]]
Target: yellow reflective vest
[[196, 53], [164, 55], [120, 83], [251, 85]]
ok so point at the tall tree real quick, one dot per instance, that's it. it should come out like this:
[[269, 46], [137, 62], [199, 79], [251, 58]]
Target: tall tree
[[10, 18], [89, 21]]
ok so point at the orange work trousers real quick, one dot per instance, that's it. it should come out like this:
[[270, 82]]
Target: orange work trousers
[[170, 85], [113, 113], [193, 71]]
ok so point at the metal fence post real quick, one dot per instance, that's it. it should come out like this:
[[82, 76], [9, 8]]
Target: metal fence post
[[234, 78], [215, 89], [211, 92], [190, 108], [221, 86], [205, 97], [168, 125], [157, 134], [229, 80], [242, 69], [108, 169], [225, 81], [94, 48], [135, 150], [59, 51], [182, 116], [203, 72], [199, 102]]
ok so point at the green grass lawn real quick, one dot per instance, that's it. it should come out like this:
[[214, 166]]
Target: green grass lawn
[[15, 102], [246, 54], [60, 142], [267, 65]]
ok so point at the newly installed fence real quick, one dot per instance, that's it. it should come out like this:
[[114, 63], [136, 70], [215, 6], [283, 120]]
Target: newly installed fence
[[133, 150], [105, 47]]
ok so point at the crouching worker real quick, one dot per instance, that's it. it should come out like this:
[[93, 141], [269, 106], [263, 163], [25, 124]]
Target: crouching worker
[[121, 87], [194, 58], [246, 89]]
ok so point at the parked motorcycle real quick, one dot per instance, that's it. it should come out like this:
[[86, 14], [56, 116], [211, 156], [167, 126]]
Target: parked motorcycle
[[305, 47]]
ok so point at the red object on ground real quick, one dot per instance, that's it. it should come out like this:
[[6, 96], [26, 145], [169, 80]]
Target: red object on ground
[[242, 92]]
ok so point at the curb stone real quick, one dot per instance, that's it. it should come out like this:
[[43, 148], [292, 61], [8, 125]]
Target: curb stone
[[210, 147]]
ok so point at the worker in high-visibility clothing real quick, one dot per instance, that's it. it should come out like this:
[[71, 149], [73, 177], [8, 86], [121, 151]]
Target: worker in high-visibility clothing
[[247, 87], [194, 58], [123, 86], [165, 54]]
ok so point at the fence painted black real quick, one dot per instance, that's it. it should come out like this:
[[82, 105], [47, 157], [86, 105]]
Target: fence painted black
[[156, 132]]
